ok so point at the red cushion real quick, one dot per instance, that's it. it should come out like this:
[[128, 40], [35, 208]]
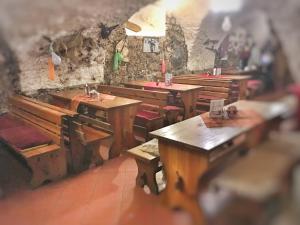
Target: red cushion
[[143, 117], [24, 137], [254, 84], [171, 108], [295, 89], [7, 121], [148, 115]]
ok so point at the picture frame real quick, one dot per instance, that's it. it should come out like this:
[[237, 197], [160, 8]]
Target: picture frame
[[151, 45]]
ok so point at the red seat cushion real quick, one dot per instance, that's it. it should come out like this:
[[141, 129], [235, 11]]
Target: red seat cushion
[[7, 121], [171, 108], [144, 116], [148, 115], [23, 137], [254, 84], [295, 89]]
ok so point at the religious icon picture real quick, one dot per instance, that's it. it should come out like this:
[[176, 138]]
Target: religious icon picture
[[216, 108], [151, 45]]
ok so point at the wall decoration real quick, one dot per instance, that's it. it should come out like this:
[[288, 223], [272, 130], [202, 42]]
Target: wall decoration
[[151, 45]]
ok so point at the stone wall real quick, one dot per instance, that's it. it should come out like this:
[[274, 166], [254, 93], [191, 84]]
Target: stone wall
[[88, 58], [9, 73]]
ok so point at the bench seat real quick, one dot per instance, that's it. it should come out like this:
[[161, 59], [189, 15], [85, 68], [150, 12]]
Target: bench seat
[[148, 115], [23, 137], [7, 121], [148, 163], [38, 133]]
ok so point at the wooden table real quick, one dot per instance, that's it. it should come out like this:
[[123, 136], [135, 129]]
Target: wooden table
[[120, 114], [189, 93], [221, 81], [189, 149]]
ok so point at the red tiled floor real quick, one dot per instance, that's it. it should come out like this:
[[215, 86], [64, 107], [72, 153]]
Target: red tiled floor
[[100, 196]]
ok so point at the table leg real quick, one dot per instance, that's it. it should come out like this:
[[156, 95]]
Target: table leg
[[189, 99], [183, 169], [122, 119], [243, 89]]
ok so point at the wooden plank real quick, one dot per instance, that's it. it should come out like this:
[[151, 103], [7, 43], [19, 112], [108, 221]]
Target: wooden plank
[[217, 89], [134, 92], [43, 123], [40, 111], [204, 83], [94, 122], [39, 151], [56, 108], [216, 94]]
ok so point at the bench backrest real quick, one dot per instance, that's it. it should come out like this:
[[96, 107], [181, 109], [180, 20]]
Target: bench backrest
[[158, 98], [48, 119]]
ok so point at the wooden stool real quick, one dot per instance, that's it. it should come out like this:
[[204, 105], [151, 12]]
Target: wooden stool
[[147, 160]]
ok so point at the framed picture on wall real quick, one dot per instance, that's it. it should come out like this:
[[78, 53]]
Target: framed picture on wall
[[151, 45]]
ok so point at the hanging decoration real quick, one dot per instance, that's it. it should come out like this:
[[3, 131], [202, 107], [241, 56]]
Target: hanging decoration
[[55, 59], [122, 47], [51, 69], [226, 25], [106, 31], [118, 58]]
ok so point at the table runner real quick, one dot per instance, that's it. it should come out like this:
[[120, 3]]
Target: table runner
[[244, 118]]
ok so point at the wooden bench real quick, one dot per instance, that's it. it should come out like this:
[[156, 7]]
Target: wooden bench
[[258, 181], [47, 161], [87, 137], [255, 187], [229, 88], [66, 122], [147, 160], [154, 111]]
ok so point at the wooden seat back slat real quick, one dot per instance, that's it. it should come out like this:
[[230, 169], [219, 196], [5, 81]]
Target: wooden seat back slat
[[47, 119], [135, 92], [37, 110], [146, 96], [56, 108], [96, 123], [43, 123]]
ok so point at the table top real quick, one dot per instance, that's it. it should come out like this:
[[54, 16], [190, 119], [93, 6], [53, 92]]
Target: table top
[[195, 134], [104, 104], [162, 86]]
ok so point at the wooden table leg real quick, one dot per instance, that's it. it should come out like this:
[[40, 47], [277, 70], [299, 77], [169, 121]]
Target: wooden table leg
[[122, 120], [189, 100], [243, 90], [183, 169]]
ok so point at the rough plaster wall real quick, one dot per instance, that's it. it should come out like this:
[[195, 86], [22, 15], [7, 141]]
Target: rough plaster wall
[[24, 22], [190, 17], [200, 24], [88, 69]]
